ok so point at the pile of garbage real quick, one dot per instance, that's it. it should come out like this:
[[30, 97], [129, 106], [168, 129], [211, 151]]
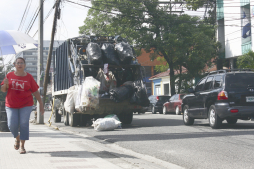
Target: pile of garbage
[[118, 54]]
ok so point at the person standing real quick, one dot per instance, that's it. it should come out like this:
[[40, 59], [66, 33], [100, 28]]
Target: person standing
[[20, 86]]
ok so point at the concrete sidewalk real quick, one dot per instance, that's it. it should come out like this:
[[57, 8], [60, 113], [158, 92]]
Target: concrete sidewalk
[[49, 149]]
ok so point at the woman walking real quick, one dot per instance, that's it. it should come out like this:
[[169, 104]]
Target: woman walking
[[20, 86]]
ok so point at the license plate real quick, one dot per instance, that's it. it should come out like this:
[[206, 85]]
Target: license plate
[[250, 99]]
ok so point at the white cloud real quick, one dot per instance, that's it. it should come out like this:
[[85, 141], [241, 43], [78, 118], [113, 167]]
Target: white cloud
[[72, 17]]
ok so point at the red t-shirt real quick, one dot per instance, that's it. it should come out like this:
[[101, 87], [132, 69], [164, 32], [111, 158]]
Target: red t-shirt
[[20, 90]]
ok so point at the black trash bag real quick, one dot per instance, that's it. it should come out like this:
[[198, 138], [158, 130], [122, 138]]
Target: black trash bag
[[109, 54], [140, 95], [93, 52], [124, 53], [122, 93]]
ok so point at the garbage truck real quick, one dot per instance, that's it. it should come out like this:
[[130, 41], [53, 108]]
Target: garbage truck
[[109, 60]]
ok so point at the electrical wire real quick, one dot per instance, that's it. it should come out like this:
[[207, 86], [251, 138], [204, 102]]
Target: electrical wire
[[26, 15], [23, 14]]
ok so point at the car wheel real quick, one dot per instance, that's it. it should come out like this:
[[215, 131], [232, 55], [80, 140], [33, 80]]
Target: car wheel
[[187, 120], [214, 120], [177, 110], [231, 121], [164, 110], [153, 110]]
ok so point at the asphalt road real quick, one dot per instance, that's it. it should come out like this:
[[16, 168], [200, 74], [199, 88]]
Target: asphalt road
[[165, 137]]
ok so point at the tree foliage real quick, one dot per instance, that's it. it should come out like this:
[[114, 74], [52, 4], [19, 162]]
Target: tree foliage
[[246, 61], [181, 39]]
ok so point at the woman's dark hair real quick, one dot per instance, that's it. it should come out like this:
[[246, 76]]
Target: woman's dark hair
[[21, 59]]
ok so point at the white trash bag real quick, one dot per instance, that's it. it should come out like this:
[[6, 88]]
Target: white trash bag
[[103, 124], [69, 104], [90, 93], [77, 99]]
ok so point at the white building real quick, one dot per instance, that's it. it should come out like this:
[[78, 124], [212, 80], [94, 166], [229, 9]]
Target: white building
[[31, 57], [234, 19]]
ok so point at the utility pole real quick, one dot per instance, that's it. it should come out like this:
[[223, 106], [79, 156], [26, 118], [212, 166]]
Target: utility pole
[[56, 16], [40, 117]]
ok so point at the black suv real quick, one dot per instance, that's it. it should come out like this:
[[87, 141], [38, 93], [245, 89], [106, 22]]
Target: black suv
[[156, 103], [221, 95]]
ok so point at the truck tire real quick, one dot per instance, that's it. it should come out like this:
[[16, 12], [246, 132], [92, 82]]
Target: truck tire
[[126, 118], [3, 116], [4, 126], [57, 117], [73, 119], [66, 118], [187, 120]]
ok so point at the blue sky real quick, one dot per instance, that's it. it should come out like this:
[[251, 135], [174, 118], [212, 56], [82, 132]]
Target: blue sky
[[72, 17]]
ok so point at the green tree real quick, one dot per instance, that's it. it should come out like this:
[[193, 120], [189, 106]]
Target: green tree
[[181, 40], [246, 61]]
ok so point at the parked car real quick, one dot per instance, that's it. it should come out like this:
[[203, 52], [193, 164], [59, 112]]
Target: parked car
[[174, 104], [156, 103], [221, 95]]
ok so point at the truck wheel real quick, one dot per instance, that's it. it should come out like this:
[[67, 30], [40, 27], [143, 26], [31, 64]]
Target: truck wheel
[[73, 119], [187, 120], [66, 118], [231, 121], [153, 110], [57, 117], [126, 118], [214, 120]]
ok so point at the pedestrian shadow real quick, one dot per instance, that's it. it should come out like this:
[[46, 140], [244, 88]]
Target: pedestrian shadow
[[83, 154]]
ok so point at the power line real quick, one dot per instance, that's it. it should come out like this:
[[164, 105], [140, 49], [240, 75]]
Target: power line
[[24, 14], [28, 30]]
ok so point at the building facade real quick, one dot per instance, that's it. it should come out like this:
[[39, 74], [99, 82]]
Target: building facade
[[31, 57], [234, 20]]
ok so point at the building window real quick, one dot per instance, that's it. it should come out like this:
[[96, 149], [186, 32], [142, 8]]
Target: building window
[[157, 89]]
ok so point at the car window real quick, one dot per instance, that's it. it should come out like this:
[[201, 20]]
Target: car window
[[208, 83], [176, 97], [240, 80], [181, 96], [164, 98], [172, 98], [217, 81], [200, 85]]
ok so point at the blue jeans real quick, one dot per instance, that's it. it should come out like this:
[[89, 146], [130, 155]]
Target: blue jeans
[[19, 118]]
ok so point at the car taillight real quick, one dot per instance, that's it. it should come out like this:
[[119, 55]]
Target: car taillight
[[234, 110], [223, 95], [157, 97]]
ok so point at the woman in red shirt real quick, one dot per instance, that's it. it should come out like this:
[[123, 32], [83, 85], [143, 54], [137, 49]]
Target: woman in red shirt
[[20, 86]]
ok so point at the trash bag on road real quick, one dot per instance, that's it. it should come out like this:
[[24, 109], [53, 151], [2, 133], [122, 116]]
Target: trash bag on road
[[109, 54], [114, 116], [103, 124], [94, 54], [124, 52]]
